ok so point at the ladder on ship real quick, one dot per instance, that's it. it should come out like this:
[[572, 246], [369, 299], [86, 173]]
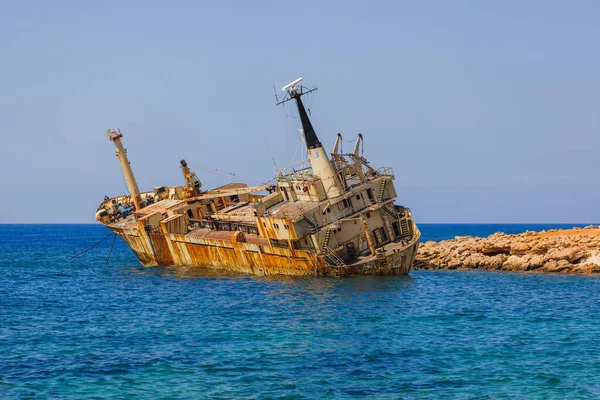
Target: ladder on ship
[[391, 211], [404, 228], [381, 190], [326, 240], [314, 227], [332, 258], [405, 233]]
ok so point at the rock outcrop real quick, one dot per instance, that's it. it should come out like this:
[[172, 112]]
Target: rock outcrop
[[573, 251]]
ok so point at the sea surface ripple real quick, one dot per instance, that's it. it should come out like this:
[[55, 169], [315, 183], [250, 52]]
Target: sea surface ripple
[[83, 329]]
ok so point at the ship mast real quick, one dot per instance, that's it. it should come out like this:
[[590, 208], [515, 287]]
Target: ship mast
[[115, 137], [319, 161]]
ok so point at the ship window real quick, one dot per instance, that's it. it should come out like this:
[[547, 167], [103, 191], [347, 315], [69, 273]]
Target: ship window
[[358, 197], [283, 244], [276, 226], [286, 226], [368, 215], [265, 224], [190, 213], [339, 229]]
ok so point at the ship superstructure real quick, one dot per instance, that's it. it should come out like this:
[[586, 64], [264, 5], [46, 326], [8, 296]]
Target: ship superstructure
[[336, 217]]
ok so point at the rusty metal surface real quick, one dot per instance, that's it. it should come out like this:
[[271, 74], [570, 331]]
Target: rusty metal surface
[[252, 255], [391, 264], [162, 253], [160, 206], [291, 210]]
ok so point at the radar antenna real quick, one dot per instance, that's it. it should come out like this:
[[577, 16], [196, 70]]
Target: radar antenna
[[295, 91]]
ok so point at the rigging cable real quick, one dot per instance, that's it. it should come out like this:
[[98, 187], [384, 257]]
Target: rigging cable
[[222, 173], [111, 249], [92, 246], [226, 174]]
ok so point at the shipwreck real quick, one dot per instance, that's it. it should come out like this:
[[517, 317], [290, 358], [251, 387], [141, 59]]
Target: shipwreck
[[334, 217]]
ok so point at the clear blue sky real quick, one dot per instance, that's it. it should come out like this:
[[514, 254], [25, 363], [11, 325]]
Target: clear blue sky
[[487, 111]]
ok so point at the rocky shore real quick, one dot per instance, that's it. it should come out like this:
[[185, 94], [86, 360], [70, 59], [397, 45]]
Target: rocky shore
[[572, 251]]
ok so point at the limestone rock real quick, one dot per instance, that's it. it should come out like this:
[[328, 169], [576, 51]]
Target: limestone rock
[[574, 251]]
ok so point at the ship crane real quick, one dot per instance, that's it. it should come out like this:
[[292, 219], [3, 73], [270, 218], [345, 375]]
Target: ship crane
[[192, 183]]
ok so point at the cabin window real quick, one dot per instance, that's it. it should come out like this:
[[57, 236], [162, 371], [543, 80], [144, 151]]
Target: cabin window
[[368, 215], [358, 197], [339, 229], [282, 244], [265, 224], [286, 226], [276, 226], [285, 194], [190, 213]]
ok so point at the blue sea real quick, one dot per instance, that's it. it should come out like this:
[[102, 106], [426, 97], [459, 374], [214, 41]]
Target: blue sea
[[91, 329]]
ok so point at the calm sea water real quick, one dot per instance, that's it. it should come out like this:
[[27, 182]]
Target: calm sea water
[[84, 329]]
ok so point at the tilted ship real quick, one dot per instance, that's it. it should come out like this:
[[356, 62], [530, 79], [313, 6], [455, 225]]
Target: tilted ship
[[336, 217]]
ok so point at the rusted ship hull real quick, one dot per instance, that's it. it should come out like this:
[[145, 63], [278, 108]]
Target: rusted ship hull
[[245, 254], [334, 214]]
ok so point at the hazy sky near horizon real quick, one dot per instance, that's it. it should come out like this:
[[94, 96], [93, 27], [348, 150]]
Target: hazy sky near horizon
[[487, 111]]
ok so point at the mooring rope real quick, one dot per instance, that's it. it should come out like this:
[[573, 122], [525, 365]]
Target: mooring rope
[[111, 248], [92, 246]]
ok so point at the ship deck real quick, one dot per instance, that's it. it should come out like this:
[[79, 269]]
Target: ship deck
[[390, 248]]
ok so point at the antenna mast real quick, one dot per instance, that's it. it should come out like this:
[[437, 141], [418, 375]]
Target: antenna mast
[[319, 162]]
